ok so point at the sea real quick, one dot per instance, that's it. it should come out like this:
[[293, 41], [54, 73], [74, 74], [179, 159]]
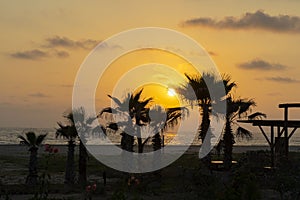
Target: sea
[[10, 136]]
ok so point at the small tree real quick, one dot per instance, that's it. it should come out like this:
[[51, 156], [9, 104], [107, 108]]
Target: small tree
[[33, 142]]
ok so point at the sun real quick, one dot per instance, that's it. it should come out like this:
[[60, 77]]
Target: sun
[[171, 92]]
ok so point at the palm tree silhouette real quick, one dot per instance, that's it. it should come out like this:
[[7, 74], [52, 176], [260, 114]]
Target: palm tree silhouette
[[135, 114], [69, 132], [169, 117], [33, 142], [196, 92], [132, 114], [236, 108]]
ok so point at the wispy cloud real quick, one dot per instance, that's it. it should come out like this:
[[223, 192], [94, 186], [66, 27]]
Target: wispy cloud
[[58, 41], [256, 20], [54, 47], [34, 54], [259, 64], [282, 79], [38, 95], [62, 54], [38, 54]]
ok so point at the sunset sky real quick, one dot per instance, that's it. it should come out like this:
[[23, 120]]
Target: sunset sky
[[43, 44]]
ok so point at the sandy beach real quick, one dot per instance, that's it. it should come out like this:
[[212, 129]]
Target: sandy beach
[[20, 150]]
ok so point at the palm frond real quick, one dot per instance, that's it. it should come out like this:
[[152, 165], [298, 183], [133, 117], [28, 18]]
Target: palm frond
[[31, 137], [257, 115], [243, 133], [24, 140], [116, 100], [40, 139]]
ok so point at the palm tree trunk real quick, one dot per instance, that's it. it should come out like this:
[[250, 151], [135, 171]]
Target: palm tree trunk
[[228, 145], [204, 131], [156, 142], [82, 164], [127, 142], [32, 177], [140, 145], [70, 167]]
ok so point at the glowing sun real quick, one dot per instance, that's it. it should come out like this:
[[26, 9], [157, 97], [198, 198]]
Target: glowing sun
[[171, 92]]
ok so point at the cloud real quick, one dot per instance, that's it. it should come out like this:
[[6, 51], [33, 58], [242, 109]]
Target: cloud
[[62, 54], [259, 64], [256, 20], [38, 95], [282, 79], [58, 41], [34, 54]]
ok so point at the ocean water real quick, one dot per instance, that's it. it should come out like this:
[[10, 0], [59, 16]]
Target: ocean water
[[9, 136]]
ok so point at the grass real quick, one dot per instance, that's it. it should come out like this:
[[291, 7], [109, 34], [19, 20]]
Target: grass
[[186, 177]]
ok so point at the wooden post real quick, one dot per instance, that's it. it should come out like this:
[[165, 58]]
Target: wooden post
[[272, 146], [286, 137]]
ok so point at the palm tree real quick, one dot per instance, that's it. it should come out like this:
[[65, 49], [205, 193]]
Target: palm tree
[[33, 142], [137, 116], [171, 119], [236, 108], [196, 92], [82, 124], [132, 115], [69, 132]]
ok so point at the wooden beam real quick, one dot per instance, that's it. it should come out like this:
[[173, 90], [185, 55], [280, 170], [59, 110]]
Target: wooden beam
[[292, 133], [263, 132], [289, 105]]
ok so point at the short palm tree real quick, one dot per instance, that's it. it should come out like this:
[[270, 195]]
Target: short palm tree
[[69, 132], [33, 142], [131, 114], [172, 116]]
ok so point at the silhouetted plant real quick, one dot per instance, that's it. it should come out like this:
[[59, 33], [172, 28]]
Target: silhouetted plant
[[33, 142]]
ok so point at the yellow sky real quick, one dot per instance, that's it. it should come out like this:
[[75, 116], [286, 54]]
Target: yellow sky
[[43, 44]]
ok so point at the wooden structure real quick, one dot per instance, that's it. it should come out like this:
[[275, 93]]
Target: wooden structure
[[283, 131]]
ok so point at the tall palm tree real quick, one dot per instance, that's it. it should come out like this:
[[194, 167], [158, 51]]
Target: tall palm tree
[[33, 142], [83, 126], [196, 93], [69, 132], [236, 108]]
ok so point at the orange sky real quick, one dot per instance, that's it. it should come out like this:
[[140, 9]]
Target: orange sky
[[43, 44]]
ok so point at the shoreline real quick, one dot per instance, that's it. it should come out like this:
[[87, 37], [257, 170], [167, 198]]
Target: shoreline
[[16, 149]]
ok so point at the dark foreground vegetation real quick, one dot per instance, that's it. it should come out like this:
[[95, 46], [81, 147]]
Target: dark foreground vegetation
[[187, 178]]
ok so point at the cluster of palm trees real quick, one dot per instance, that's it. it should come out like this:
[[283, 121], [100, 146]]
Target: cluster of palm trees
[[236, 108], [132, 114]]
